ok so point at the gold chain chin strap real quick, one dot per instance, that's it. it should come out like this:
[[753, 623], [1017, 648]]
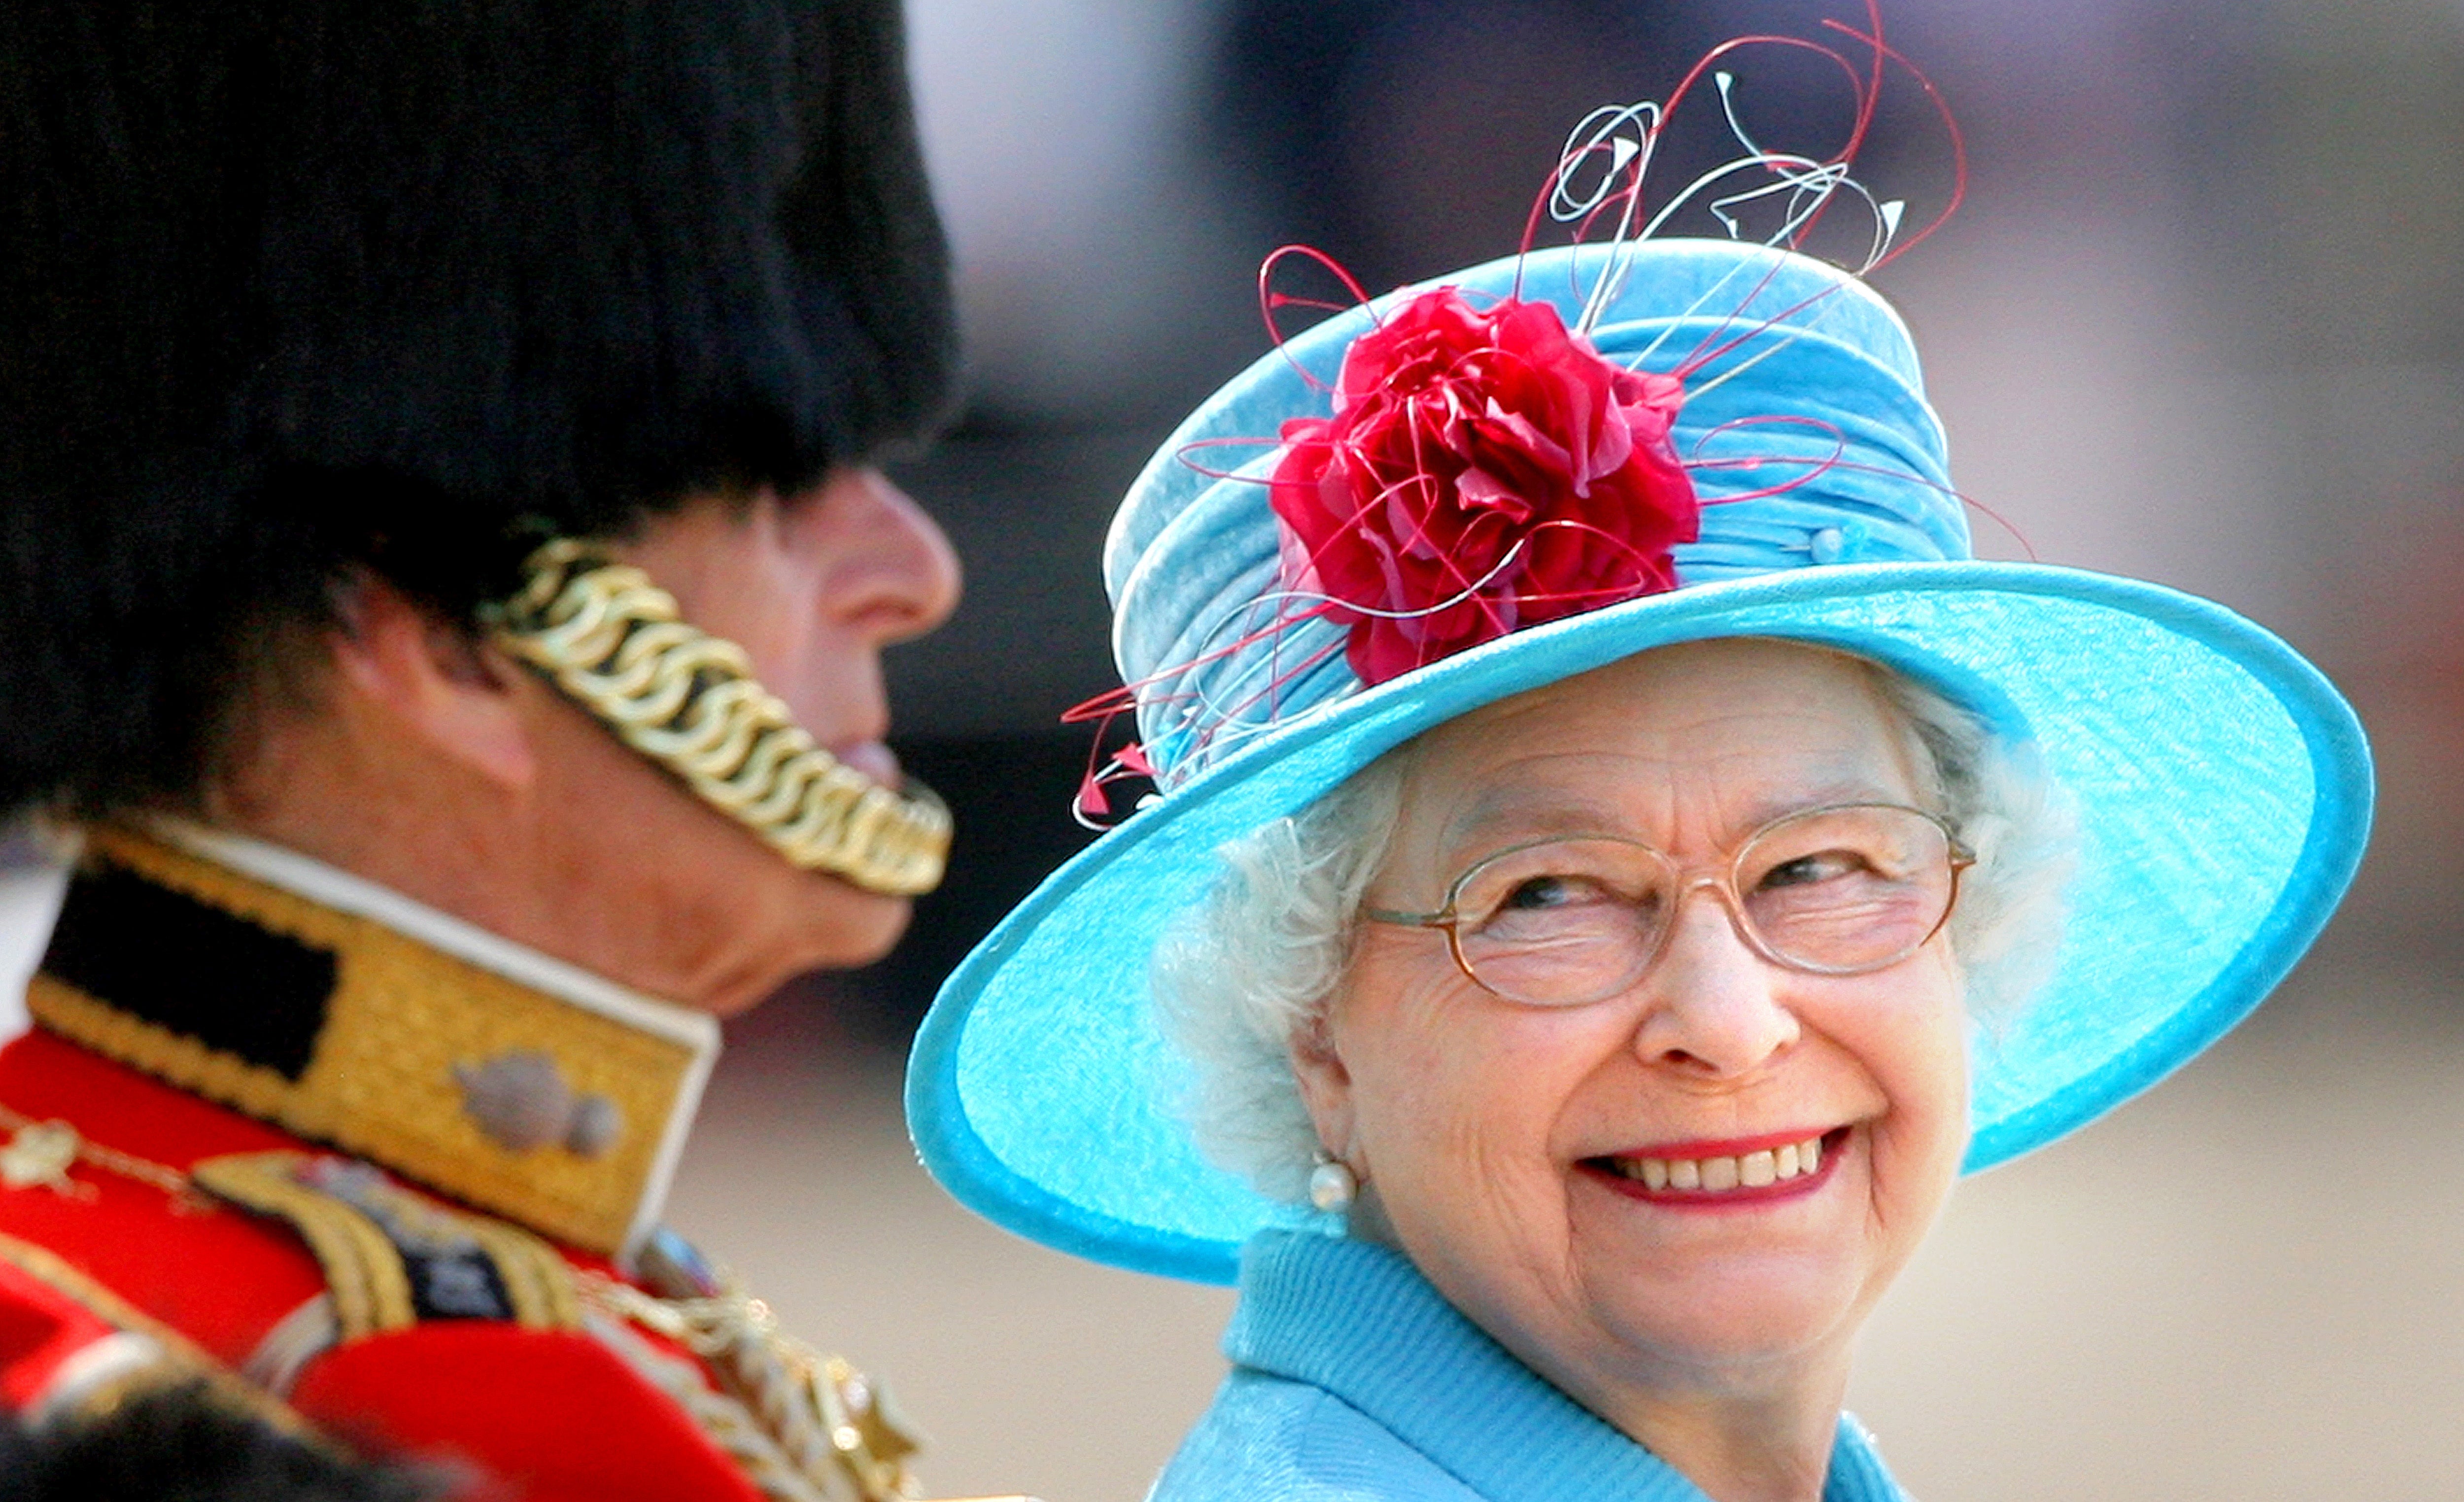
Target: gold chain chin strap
[[613, 641]]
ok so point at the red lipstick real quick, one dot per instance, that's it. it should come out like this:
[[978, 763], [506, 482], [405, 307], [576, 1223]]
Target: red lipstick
[[1709, 1174]]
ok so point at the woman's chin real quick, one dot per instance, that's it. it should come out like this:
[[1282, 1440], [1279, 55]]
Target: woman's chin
[[1738, 1289], [1754, 1324]]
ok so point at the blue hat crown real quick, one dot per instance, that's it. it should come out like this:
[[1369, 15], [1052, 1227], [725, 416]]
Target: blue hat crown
[[1804, 427]]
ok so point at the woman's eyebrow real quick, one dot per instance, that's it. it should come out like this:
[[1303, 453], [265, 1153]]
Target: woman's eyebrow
[[1824, 795], [1525, 811]]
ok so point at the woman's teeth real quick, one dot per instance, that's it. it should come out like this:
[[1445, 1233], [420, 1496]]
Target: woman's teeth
[[1715, 1175]]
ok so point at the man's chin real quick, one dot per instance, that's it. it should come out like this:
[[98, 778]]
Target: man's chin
[[854, 927], [790, 923]]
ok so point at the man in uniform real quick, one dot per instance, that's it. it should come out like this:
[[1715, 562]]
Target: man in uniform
[[443, 568]]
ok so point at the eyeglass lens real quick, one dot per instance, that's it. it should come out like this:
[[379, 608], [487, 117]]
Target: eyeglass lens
[[1833, 891]]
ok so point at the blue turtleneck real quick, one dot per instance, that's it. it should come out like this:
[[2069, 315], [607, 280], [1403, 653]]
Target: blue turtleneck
[[1353, 1380]]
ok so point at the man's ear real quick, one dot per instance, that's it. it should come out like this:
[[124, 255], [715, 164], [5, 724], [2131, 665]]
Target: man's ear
[[1326, 1086], [439, 681]]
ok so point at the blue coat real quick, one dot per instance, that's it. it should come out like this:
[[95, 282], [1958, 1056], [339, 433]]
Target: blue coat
[[1352, 1380]]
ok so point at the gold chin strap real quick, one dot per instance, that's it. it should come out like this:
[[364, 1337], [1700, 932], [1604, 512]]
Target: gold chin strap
[[613, 642]]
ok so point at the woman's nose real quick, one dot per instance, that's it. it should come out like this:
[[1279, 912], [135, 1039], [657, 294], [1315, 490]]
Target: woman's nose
[[1713, 1007], [899, 576]]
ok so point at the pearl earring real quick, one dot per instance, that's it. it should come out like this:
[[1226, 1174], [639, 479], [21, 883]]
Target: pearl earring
[[1331, 1184]]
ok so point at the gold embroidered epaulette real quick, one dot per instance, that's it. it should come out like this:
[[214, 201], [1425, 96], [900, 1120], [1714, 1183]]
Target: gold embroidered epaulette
[[560, 1110], [391, 1257]]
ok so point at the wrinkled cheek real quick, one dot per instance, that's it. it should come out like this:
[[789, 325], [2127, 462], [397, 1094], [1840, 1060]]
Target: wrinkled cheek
[[1914, 1163], [1466, 1189]]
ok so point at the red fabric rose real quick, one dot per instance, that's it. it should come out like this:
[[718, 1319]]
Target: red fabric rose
[[1483, 471]]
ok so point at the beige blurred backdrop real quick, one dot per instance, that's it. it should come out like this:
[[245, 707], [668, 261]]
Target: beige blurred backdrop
[[2199, 321]]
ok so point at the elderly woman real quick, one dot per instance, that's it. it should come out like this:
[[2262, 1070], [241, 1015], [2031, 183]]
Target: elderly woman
[[1619, 859]]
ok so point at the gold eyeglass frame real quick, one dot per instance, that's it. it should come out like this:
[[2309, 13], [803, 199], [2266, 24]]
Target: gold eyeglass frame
[[1720, 880], [614, 642]]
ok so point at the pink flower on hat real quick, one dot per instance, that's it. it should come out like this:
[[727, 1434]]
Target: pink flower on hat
[[1483, 471]]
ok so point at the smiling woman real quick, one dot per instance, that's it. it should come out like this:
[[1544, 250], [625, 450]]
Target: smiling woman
[[1505, 1147], [1619, 859], [1255, 961], [1663, 1150]]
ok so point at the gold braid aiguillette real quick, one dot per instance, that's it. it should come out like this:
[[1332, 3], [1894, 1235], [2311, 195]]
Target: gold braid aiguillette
[[614, 642]]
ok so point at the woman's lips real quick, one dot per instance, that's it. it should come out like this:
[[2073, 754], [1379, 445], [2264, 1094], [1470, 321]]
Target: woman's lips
[[1724, 1173]]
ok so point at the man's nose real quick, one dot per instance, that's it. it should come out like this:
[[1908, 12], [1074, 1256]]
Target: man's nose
[[1713, 1004], [900, 577]]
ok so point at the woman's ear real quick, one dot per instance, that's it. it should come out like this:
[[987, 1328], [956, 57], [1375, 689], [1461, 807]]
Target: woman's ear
[[1326, 1086], [440, 681]]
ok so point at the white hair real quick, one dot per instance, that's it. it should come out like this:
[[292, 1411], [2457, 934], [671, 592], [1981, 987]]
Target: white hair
[[1252, 965]]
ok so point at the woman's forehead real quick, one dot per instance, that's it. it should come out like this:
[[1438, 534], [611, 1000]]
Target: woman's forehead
[[1727, 733]]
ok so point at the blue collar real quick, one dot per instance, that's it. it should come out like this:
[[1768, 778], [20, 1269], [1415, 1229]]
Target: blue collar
[[1358, 1321]]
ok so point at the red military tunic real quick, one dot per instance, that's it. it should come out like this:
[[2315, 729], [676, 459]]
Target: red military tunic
[[527, 1321]]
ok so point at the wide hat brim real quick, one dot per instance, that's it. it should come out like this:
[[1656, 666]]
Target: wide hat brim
[[2223, 790]]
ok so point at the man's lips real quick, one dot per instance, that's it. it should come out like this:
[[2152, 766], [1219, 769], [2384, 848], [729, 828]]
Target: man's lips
[[872, 759], [1737, 1171]]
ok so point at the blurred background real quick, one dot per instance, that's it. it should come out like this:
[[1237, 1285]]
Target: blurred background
[[2200, 321]]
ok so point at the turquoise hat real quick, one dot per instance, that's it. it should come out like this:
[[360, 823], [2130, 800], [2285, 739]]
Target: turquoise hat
[[2223, 786]]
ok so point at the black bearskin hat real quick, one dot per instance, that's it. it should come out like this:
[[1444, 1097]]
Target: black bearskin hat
[[294, 288]]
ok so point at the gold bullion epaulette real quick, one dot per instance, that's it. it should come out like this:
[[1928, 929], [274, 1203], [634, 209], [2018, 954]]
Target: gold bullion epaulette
[[392, 1257]]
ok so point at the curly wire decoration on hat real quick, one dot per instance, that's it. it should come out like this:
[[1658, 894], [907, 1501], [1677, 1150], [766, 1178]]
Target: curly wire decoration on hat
[[1483, 469]]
